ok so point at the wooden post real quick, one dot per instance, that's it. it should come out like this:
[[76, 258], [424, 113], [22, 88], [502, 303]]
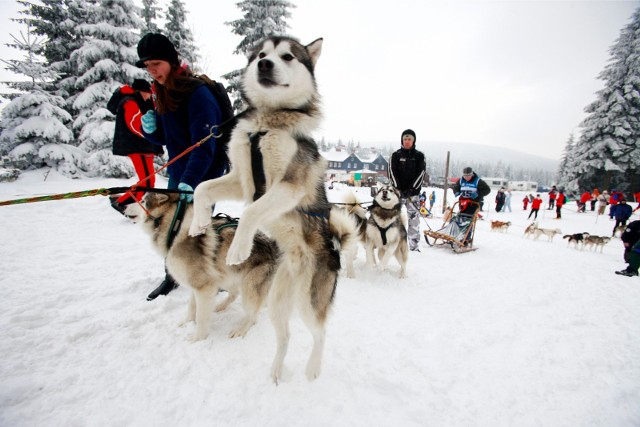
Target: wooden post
[[446, 183]]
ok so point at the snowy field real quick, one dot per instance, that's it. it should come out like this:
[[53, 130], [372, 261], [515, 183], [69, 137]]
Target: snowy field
[[518, 333]]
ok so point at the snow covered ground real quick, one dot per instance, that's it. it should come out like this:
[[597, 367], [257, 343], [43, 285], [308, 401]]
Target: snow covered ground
[[518, 333]]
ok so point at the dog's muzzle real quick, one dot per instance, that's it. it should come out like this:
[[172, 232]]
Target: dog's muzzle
[[265, 72]]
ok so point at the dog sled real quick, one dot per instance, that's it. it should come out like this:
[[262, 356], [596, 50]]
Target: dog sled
[[456, 233]]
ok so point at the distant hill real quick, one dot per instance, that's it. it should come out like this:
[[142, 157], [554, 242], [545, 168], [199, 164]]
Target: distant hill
[[487, 154]]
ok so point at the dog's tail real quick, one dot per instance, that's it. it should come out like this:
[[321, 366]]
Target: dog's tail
[[344, 231]]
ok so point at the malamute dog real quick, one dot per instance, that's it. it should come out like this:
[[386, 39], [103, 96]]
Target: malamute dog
[[596, 242], [386, 230], [276, 168], [199, 263], [549, 232], [576, 238], [501, 226]]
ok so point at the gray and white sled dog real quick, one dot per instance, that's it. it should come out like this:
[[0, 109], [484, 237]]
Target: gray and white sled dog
[[386, 230], [549, 232], [199, 263], [277, 169]]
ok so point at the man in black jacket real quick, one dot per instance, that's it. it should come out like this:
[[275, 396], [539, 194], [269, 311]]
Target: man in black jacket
[[407, 171], [631, 239]]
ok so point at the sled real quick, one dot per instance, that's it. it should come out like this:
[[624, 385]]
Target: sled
[[457, 233]]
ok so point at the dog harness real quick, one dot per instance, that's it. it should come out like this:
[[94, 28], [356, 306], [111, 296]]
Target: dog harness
[[259, 178], [383, 232], [257, 165]]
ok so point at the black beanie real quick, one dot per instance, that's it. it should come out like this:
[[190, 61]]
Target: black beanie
[[141, 85], [467, 171], [409, 132], [156, 46]]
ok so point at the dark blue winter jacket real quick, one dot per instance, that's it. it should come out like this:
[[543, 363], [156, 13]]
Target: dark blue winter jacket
[[178, 130], [623, 211]]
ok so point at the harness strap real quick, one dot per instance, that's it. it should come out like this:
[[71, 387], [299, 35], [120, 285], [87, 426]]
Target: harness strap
[[383, 232], [176, 222], [257, 165]]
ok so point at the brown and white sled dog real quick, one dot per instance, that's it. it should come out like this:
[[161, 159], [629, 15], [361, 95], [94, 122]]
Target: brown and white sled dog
[[386, 230], [199, 263], [501, 226], [277, 169], [531, 228]]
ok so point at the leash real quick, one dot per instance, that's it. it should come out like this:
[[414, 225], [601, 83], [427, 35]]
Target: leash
[[87, 193]]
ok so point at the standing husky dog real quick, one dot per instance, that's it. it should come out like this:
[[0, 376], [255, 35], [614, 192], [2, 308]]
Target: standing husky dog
[[199, 263], [386, 230], [277, 169]]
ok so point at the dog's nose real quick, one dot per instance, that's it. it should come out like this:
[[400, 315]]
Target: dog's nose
[[265, 65]]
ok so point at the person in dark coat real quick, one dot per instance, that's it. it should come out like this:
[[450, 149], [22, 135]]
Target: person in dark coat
[[128, 104], [631, 239], [500, 199], [185, 113], [407, 170], [622, 214]]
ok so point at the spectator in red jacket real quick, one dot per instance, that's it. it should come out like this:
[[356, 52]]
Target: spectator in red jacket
[[525, 203], [584, 199], [614, 199], [535, 207], [560, 200], [552, 197]]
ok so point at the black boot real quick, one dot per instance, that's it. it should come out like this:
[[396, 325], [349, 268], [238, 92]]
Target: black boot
[[167, 285]]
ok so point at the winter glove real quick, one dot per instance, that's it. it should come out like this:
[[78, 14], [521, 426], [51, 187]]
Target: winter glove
[[457, 194], [149, 122], [185, 196]]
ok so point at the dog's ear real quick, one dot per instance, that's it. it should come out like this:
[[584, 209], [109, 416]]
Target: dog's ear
[[314, 48]]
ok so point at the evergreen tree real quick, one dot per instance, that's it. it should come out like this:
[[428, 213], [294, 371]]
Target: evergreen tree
[[34, 133], [179, 33], [608, 152], [568, 174], [56, 21], [150, 13], [105, 61], [262, 18]]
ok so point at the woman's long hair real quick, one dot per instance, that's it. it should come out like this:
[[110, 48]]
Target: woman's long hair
[[178, 86]]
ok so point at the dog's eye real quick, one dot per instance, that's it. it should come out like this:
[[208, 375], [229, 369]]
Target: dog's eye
[[287, 57], [262, 55]]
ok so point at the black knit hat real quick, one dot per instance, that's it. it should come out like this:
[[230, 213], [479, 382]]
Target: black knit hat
[[156, 46], [409, 132], [467, 171], [141, 85]]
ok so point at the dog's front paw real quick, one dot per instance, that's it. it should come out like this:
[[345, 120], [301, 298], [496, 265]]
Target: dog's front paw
[[197, 229], [197, 336], [239, 251]]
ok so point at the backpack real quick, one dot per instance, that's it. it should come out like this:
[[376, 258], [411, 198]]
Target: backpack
[[229, 120]]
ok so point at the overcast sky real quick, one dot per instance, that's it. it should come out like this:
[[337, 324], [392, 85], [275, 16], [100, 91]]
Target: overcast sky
[[514, 74]]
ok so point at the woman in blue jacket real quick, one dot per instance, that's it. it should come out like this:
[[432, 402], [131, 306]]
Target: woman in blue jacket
[[185, 112]]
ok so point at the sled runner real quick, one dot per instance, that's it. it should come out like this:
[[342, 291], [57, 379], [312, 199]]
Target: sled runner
[[458, 232]]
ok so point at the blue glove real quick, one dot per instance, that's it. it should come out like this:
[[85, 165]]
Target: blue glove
[[184, 196], [457, 194], [149, 122]]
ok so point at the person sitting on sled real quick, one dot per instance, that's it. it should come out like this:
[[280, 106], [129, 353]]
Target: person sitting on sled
[[470, 188]]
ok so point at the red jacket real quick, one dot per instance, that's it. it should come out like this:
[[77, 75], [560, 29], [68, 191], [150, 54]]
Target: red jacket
[[535, 204], [560, 200], [586, 196]]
